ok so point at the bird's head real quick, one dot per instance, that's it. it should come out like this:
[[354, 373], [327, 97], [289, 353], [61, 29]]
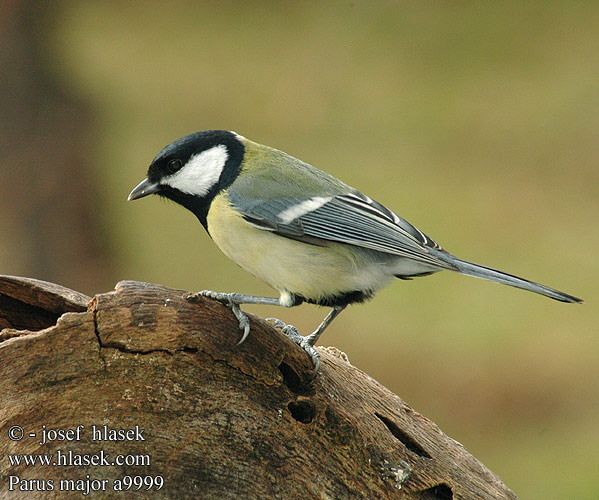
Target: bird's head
[[194, 166], [194, 169]]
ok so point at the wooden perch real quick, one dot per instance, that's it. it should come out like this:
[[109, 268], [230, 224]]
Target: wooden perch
[[214, 420]]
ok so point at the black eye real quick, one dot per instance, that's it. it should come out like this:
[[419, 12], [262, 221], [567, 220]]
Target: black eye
[[174, 165]]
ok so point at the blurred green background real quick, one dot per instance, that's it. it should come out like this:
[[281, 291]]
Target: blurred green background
[[476, 121]]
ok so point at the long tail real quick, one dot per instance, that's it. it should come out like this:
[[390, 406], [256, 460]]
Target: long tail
[[486, 273]]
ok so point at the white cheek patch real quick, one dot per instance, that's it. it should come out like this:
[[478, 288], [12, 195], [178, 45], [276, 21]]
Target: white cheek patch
[[292, 213], [200, 173]]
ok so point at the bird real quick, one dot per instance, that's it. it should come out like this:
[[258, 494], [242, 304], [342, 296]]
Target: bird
[[305, 233]]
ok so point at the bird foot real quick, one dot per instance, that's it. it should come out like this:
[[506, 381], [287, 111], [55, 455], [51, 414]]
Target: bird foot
[[303, 341], [228, 299]]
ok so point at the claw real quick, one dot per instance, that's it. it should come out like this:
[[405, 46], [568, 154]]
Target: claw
[[220, 297], [316, 360], [304, 342], [228, 299], [293, 334], [277, 323], [244, 321], [310, 350], [209, 294]]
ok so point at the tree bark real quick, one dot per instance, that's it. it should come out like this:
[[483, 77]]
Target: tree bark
[[198, 414]]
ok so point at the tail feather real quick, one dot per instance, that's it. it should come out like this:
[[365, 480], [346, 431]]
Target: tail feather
[[486, 273]]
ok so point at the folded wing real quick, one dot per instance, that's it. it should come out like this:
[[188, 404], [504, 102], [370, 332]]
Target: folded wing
[[351, 218]]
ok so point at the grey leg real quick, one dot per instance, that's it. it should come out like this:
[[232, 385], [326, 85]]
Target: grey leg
[[315, 335], [239, 298], [307, 342]]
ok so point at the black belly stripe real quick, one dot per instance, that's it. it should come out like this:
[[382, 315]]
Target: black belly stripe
[[338, 300]]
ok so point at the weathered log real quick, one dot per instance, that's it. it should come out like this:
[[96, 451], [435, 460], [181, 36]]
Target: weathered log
[[214, 420]]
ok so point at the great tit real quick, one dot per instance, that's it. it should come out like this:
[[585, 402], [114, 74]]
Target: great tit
[[307, 234]]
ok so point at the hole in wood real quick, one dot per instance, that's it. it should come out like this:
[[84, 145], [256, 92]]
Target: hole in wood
[[439, 492], [290, 378], [408, 441], [302, 411], [293, 381]]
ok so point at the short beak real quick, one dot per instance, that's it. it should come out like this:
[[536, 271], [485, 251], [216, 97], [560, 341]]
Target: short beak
[[144, 188]]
